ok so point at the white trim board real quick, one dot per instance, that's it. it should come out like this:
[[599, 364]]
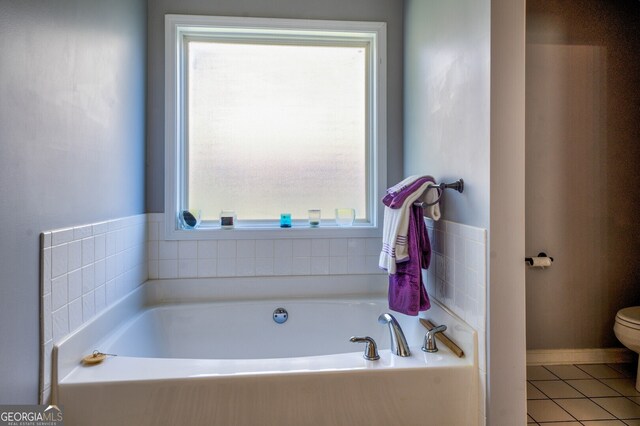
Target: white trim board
[[579, 356]]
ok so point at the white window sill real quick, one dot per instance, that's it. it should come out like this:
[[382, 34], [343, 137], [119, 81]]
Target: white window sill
[[254, 233]]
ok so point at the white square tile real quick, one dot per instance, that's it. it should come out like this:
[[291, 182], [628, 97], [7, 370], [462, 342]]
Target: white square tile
[[74, 280], [187, 249], [75, 314], [59, 260], [99, 228], [227, 249], [100, 246], [459, 249], [338, 247], [167, 250], [338, 265], [440, 242], [100, 298], [246, 267], [320, 265], [207, 267], [356, 265], [188, 268], [168, 268], [80, 232], [459, 279], [207, 249], [373, 246], [88, 306], [264, 266], [59, 292], [111, 292], [301, 248], [153, 232], [110, 243], [46, 270], [47, 332], [449, 266], [449, 246], [372, 265], [60, 323], [246, 248], [152, 250], [48, 349], [61, 236], [227, 267], [357, 247], [111, 267], [282, 265], [301, 265], [153, 269], [320, 247], [45, 239], [440, 268], [474, 255], [100, 276], [88, 251], [282, 249], [264, 248]]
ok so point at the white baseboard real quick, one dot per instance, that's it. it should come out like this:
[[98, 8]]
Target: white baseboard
[[579, 356]]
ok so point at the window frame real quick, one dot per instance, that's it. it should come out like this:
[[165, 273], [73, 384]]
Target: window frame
[[179, 29]]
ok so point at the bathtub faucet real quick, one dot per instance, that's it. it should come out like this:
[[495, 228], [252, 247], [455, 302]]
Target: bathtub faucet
[[399, 344]]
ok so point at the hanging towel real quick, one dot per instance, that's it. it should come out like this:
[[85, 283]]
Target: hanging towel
[[396, 221], [407, 294], [399, 192]]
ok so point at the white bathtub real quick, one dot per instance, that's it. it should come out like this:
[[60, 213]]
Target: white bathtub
[[226, 362]]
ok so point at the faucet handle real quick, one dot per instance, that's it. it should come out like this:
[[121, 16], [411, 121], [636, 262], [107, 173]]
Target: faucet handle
[[370, 350], [430, 338]]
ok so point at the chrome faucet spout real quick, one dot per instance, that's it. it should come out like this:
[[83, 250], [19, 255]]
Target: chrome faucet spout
[[399, 344]]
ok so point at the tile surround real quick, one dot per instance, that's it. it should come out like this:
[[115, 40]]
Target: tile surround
[[83, 270]]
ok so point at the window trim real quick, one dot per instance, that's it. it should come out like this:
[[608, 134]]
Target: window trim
[[179, 28]]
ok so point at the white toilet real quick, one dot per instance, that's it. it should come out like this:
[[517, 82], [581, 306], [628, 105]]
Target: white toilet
[[627, 330]]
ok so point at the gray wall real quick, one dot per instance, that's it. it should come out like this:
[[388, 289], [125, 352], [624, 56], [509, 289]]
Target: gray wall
[[389, 11], [446, 99], [583, 129], [72, 85]]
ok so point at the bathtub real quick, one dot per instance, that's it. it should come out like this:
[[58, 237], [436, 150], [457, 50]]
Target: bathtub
[[208, 352]]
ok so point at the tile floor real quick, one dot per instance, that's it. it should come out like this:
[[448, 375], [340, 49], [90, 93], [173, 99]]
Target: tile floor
[[586, 394]]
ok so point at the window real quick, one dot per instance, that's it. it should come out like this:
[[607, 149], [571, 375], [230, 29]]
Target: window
[[266, 116]]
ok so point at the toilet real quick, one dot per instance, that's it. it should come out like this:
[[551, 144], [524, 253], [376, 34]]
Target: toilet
[[627, 330]]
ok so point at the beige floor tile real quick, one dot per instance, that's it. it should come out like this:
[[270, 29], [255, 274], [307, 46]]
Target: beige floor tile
[[538, 372], [566, 372], [584, 409], [545, 410], [635, 399], [603, 423], [632, 422], [601, 371], [534, 393], [592, 388], [626, 387], [529, 419], [556, 389], [627, 369], [561, 423], [622, 408]]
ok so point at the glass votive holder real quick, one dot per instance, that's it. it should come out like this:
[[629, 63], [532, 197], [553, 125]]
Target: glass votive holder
[[227, 219], [345, 216], [189, 219], [314, 218], [285, 220]]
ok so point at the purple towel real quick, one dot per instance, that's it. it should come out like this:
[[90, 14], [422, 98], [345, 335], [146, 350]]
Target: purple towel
[[395, 200], [407, 294]]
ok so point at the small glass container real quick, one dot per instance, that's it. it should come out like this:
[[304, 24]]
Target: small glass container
[[189, 219], [314, 218], [285, 220], [227, 219], [345, 216]]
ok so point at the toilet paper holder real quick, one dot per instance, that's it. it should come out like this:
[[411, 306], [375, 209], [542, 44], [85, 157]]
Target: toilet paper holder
[[529, 260]]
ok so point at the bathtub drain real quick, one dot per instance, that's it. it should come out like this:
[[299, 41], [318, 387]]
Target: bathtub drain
[[280, 315]]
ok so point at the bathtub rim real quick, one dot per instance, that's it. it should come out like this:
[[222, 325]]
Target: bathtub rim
[[67, 352]]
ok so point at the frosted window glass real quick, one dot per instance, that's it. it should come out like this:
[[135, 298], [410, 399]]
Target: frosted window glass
[[276, 128]]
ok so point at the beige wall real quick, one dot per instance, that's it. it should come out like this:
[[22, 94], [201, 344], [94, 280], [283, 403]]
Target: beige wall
[[582, 156]]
